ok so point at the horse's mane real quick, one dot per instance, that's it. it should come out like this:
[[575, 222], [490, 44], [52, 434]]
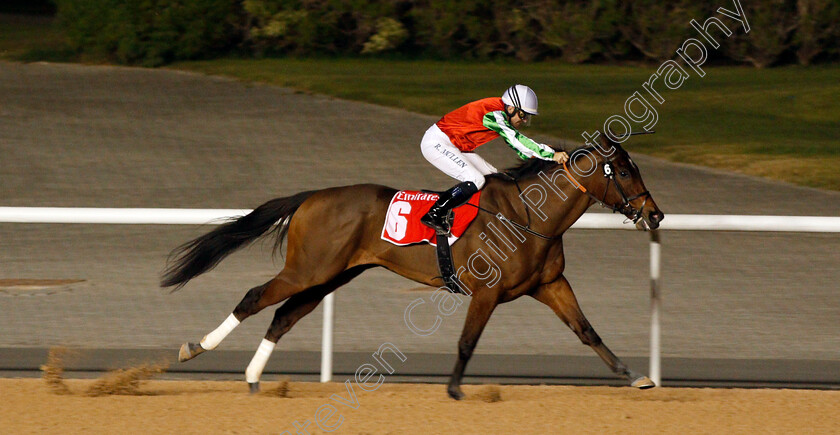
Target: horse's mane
[[534, 166], [530, 167]]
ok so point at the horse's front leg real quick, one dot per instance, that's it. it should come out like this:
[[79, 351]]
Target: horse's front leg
[[559, 297], [481, 307]]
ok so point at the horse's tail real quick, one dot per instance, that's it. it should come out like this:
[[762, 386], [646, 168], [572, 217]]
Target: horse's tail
[[204, 253]]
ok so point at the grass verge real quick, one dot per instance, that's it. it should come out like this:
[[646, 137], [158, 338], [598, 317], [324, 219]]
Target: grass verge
[[779, 123], [31, 38]]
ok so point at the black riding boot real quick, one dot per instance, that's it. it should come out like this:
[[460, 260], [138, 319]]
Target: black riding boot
[[438, 215]]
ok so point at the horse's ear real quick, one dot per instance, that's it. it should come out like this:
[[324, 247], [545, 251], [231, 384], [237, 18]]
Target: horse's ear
[[607, 142], [608, 138], [604, 139]]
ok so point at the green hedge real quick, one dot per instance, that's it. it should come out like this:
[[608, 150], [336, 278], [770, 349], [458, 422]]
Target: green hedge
[[153, 32], [149, 32]]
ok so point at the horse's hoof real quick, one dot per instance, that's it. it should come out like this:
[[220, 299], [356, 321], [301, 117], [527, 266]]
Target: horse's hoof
[[254, 387], [642, 383], [455, 393], [189, 351]]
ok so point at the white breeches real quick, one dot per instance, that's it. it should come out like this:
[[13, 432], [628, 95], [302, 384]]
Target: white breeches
[[440, 152]]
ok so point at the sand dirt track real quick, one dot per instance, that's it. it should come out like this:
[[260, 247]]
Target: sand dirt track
[[225, 407]]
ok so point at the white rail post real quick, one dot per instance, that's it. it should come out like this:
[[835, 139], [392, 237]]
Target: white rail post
[[655, 261], [327, 339]]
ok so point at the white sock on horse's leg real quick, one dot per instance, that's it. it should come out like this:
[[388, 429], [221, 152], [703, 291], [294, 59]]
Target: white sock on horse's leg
[[255, 368], [211, 340]]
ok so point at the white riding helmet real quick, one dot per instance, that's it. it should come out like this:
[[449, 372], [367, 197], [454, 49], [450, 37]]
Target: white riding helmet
[[521, 97]]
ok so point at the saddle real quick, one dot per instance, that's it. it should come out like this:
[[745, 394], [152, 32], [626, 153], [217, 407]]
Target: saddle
[[403, 227]]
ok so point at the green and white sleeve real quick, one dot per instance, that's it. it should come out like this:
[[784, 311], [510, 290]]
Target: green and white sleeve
[[524, 147]]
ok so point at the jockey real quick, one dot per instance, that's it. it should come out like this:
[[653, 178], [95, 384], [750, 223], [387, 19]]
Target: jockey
[[449, 144]]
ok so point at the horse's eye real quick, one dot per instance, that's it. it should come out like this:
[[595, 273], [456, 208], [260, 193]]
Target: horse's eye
[[624, 174]]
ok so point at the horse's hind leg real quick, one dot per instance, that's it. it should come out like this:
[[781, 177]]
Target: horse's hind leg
[[559, 297], [286, 316], [272, 292]]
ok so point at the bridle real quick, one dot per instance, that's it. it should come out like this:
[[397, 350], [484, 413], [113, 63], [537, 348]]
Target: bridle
[[625, 207]]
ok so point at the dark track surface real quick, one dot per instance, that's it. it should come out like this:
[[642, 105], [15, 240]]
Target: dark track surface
[[74, 135]]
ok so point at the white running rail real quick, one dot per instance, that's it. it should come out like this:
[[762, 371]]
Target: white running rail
[[685, 222]]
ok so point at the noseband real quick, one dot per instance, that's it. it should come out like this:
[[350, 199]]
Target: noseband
[[624, 208]]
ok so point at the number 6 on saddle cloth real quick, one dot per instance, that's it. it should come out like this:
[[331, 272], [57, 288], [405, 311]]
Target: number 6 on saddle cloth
[[403, 227]]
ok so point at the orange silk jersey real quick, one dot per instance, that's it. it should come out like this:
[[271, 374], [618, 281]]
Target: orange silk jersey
[[465, 125]]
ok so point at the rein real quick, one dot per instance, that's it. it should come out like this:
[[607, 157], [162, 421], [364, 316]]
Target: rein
[[526, 228], [519, 226]]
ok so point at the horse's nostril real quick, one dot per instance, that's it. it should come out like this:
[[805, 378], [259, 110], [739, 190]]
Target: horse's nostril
[[657, 216]]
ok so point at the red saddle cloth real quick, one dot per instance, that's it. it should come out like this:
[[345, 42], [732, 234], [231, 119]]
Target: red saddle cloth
[[402, 222]]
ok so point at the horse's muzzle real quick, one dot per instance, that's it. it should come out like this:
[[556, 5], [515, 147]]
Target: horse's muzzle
[[654, 218]]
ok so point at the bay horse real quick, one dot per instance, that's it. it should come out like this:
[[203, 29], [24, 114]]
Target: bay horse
[[333, 235]]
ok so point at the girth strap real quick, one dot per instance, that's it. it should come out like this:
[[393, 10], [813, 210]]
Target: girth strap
[[445, 265]]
